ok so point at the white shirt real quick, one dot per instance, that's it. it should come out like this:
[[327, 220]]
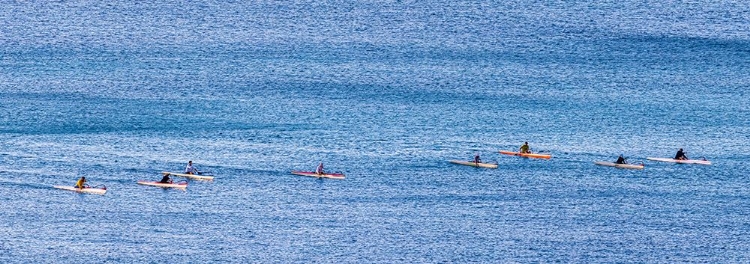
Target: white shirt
[[190, 169]]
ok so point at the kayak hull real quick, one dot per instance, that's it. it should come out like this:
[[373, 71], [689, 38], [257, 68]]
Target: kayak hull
[[100, 191], [181, 185], [190, 176], [474, 164], [701, 162], [527, 155], [621, 166], [338, 176]]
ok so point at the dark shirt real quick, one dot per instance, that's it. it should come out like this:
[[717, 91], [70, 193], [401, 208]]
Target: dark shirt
[[620, 160], [680, 155], [165, 179]]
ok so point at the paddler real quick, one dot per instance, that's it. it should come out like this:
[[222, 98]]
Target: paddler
[[319, 170], [477, 160], [165, 179], [680, 155], [620, 160], [190, 169], [81, 183], [525, 148]]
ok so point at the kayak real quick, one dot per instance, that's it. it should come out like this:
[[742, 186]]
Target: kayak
[[181, 185], [339, 176], [689, 161], [621, 166], [527, 155], [474, 164], [190, 176], [93, 190]]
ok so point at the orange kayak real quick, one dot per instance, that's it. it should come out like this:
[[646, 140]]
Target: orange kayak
[[527, 155]]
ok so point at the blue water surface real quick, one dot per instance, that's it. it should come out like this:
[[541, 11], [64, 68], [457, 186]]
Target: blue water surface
[[386, 92]]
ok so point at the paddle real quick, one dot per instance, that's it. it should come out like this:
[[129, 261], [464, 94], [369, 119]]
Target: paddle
[[209, 173], [644, 164]]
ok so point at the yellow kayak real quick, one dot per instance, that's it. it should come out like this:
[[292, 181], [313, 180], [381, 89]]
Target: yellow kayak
[[527, 155]]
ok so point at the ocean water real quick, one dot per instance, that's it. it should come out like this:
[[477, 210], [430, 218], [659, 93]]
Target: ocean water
[[386, 92]]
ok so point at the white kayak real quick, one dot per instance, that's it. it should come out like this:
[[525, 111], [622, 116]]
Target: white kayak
[[689, 161], [475, 164], [181, 185], [190, 176], [621, 166], [93, 190], [338, 176]]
